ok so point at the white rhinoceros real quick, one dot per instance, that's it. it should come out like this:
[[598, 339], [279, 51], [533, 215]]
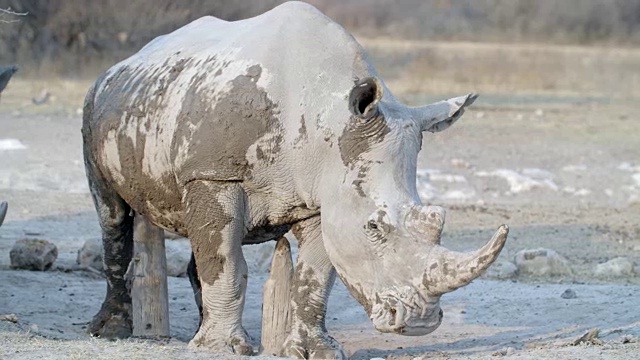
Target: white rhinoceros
[[232, 133]]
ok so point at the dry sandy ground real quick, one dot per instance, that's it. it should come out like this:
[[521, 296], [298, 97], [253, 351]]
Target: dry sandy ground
[[563, 172]]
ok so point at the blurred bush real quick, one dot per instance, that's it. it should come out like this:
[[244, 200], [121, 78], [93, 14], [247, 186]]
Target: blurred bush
[[75, 36], [71, 36]]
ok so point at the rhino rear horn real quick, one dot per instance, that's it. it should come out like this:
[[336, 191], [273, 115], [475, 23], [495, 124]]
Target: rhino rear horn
[[448, 270], [439, 116]]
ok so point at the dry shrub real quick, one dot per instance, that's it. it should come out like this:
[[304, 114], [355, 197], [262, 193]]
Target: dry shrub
[[76, 37]]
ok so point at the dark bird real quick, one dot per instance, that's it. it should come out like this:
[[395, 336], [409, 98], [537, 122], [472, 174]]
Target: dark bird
[[6, 72]]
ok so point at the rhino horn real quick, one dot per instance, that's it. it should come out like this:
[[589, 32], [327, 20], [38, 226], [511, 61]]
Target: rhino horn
[[439, 116], [448, 270]]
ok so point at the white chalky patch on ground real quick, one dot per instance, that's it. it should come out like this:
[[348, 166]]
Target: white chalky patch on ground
[[626, 166], [577, 192], [574, 168], [437, 175], [520, 182], [460, 195], [450, 178], [427, 191], [582, 192], [538, 174], [11, 144], [636, 178]]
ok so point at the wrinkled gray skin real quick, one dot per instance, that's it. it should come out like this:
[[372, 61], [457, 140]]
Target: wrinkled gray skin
[[233, 133]]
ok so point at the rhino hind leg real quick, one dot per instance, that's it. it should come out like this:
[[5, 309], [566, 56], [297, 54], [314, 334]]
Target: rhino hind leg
[[312, 282], [216, 228], [114, 318]]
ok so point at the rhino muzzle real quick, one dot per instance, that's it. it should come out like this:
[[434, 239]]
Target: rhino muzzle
[[406, 312], [414, 309]]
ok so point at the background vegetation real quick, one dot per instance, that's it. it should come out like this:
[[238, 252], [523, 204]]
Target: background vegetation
[[72, 37]]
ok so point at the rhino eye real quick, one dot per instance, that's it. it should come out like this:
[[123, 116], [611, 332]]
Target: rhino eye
[[372, 225]]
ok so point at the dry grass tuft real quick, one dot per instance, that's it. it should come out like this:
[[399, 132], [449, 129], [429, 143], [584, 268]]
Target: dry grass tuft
[[441, 67]]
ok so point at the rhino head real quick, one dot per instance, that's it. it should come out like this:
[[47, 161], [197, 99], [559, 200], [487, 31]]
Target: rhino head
[[383, 242]]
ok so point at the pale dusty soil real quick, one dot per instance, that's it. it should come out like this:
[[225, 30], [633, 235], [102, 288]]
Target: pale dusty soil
[[589, 148]]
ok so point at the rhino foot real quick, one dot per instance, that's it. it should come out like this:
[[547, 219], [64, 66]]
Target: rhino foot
[[299, 345], [218, 340], [111, 323]]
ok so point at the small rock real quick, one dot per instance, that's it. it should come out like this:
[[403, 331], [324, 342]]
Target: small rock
[[91, 254], [590, 338], [501, 270], [33, 328], [460, 164], [504, 352], [43, 98], [33, 254], [569, 294], [620, 266], [9, 317], [541, 262], [178, 257], [626, 339]]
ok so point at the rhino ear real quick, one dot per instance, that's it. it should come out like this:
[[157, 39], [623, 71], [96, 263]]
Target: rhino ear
[[440, 115], [364, 97]]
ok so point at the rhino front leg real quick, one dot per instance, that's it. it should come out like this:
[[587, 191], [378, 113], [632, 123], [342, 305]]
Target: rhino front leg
[[313, 279], [214, 218]]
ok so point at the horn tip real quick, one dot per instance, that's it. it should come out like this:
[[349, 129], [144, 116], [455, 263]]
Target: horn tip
[[500, 237], [471, 97]]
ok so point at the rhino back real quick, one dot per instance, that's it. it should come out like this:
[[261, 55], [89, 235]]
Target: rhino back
[[223, 101]]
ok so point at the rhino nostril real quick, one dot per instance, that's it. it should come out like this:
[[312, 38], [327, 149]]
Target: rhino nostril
[[441, 313]]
